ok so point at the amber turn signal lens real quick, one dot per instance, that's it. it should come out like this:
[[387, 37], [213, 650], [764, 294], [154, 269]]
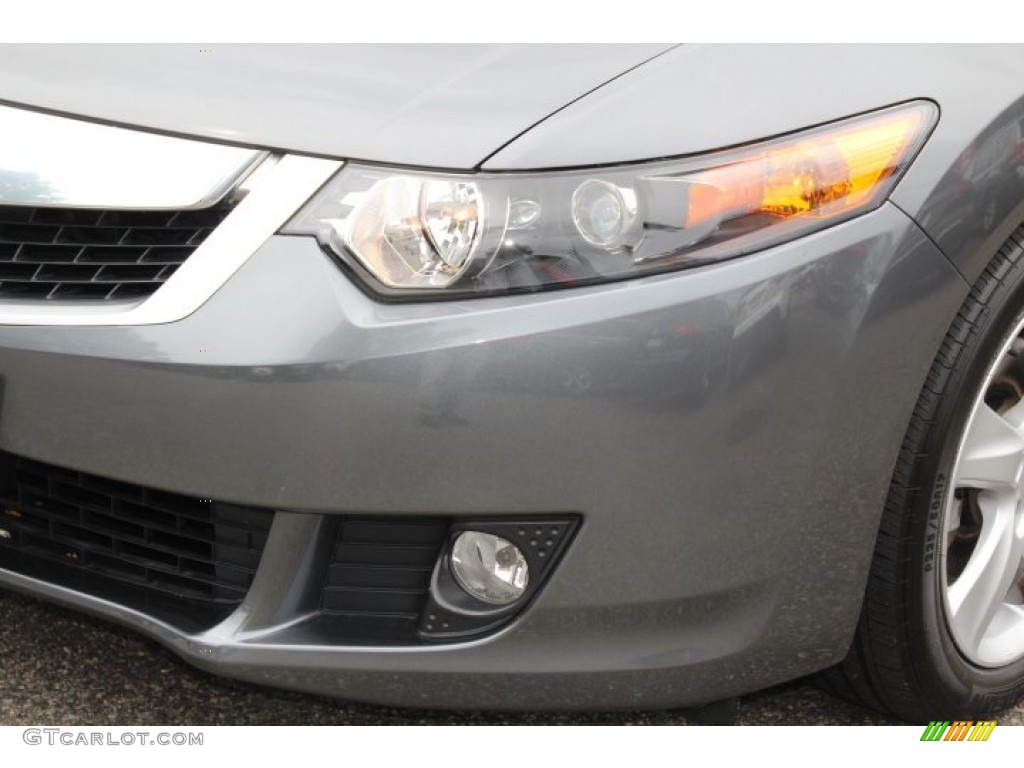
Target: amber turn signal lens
[[821, 174]]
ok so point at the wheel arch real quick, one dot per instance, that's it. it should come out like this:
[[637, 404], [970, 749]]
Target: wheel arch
[[966, 189]]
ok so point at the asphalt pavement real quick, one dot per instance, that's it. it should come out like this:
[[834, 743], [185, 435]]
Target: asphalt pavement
[[59, 667]]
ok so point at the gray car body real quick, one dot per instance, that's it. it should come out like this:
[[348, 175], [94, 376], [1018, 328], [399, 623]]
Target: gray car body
[[726, 537]]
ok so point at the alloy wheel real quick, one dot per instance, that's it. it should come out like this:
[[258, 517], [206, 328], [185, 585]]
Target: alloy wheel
[[982, 577]]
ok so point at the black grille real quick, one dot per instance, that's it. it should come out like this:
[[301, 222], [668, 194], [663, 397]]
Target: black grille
[[83, 253], [187, 561], [378, 578]]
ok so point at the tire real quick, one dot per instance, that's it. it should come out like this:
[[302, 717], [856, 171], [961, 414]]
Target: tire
[[923, 647]]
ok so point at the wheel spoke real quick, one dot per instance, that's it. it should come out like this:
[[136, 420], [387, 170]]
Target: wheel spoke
[[979, 593], [1015, 415], [992, 452], [1002, 639]]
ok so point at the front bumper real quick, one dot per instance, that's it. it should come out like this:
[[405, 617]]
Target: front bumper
[[727, 434]]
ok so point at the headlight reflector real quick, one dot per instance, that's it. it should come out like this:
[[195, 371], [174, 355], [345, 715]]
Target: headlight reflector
[[413, 235], [449, 209], [410, 231]]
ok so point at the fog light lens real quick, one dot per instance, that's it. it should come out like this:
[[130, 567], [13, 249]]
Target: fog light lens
[[489, 568]]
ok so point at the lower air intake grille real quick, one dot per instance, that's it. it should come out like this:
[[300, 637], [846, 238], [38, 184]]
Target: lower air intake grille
[[82, 253], [180, 559], [379, 573]]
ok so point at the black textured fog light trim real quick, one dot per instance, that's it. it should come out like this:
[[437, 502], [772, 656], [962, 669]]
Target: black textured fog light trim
[[453, 614], [377, 579]]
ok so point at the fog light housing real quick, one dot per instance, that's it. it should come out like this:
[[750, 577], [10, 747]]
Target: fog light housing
[[489, 571], [489, 568]]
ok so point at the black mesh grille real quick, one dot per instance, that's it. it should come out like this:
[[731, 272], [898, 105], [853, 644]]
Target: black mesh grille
[[182, 559], [82, 253], [379, 575]]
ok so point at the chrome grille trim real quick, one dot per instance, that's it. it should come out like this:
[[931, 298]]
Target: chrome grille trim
[[281, 187], [63, 162]]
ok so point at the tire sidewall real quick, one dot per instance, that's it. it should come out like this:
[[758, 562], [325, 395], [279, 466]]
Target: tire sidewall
[[983, 688]]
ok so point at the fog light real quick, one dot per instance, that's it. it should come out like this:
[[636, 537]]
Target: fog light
[[489, 567]]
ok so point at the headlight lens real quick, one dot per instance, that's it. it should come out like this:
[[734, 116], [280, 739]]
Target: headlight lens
[[410, 232], [428, 234]]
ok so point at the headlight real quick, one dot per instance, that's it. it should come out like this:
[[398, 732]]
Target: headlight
[[422, 234]]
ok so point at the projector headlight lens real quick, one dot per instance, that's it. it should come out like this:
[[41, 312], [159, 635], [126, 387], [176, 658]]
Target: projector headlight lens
[[603, 213]]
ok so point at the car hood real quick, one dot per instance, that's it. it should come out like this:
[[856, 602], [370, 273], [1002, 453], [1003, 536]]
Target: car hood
[[446, 106]]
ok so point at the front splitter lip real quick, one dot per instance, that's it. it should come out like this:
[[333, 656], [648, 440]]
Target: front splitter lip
[[247, 635], [219, 644], [633, 655], [627, 672]]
